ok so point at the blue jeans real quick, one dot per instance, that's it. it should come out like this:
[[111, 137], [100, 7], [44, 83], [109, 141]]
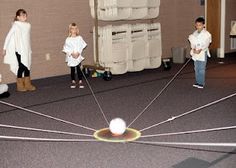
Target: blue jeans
[[200, 71]]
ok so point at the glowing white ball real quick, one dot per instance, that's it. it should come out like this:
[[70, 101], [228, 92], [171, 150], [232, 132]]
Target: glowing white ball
[[117, 126]]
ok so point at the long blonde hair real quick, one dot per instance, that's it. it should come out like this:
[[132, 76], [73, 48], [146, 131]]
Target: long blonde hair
[[70, 27]]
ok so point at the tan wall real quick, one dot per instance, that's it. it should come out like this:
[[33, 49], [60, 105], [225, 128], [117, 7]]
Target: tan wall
[[50, 18], [230, 15], [177, 18]]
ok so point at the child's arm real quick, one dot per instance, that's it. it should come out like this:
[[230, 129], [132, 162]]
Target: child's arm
[[204, 44], [67, 48], [206, 41], [8, 38], [82, 44], [192, 41]]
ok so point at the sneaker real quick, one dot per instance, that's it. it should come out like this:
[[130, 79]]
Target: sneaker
[[73, 84], [200, 87], [81, 86], [195, 85]]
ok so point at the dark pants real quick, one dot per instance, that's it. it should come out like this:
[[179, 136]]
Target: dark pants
[[22, 68], [78, 70]]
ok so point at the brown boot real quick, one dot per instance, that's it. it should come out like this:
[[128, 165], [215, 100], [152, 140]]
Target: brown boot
[[28, 85], [20, 87]]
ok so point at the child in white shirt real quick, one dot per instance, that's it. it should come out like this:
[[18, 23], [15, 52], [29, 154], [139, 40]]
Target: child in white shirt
[[200, 41], [73, 48]]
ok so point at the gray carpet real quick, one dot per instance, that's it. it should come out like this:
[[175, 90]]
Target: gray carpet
[[124, 96]]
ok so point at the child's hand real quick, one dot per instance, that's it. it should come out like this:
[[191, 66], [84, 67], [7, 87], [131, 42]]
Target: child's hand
[[3, 53], [197, 51], [75, 54]]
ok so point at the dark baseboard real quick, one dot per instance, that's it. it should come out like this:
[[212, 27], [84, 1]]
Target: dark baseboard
[[232, 54]]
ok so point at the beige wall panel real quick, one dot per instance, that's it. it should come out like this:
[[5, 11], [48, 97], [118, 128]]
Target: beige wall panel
[[177, 18], [50, 19]]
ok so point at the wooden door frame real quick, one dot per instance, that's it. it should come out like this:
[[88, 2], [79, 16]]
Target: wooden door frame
[[221, 50]]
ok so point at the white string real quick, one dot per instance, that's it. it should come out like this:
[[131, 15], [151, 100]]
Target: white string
[[43, 130], [16, 138], [95, 98], [160, 92], [188, 143], [189, 132], [189, 112], [47, 116]]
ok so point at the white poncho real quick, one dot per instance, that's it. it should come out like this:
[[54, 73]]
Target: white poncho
[[18, 40], [201, 41], [74, 44], [3, 88]]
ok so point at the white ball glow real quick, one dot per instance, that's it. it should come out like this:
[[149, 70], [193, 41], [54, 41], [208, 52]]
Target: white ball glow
[[117, 126]]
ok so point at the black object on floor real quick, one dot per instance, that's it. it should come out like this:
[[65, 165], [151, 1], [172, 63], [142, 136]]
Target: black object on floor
[[4, 95]]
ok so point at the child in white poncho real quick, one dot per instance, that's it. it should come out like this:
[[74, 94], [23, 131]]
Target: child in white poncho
[[73, 49], [17, 51], [200, 41]]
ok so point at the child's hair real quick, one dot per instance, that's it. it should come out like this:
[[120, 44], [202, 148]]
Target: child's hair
[[200, 20], [20, 12], [71, 26]]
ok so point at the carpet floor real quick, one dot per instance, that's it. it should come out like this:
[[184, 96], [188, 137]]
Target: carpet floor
[[147, 99]]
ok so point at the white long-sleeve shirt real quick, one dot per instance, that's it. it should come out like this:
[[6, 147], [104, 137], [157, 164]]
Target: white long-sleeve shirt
[[200, 40], [18, 40], [74, 44]]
